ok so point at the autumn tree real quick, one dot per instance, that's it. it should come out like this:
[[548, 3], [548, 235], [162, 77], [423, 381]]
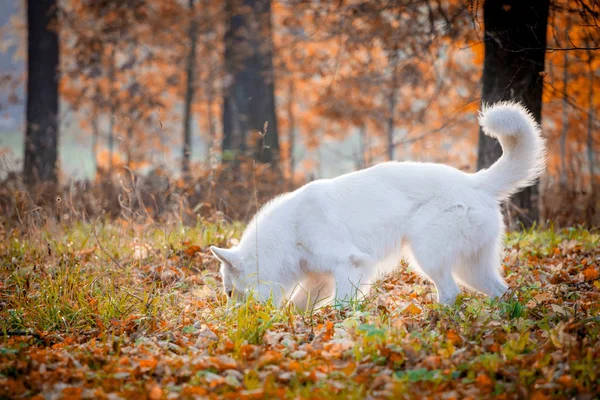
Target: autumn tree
[[120, 74], [249, 97], [515, 48], [41, 135], [385, 71]]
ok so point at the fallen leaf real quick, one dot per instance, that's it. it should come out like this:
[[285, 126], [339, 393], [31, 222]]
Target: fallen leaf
[[251, 394], [565, 380], [194, 391], [454, 338], [148, 364], [538, 299], [484, 382], [72, 393], [155, 392], [270, 357], [329, 331], [590, 274], [412, 309], [558, 309], [538, 396], [191, 250]]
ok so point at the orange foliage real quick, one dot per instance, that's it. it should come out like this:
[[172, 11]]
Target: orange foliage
[[339, 68]]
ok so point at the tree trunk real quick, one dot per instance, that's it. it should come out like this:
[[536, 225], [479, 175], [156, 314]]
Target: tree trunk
[[565, 115], [292, 128], [515, 48], [189, 92], [591, 155], [249, 99], [212, 134], [41, 135], [365, 146], [565, 123], [392, 103]]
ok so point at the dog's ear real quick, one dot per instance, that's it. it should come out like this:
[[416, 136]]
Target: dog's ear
[[226, 256]]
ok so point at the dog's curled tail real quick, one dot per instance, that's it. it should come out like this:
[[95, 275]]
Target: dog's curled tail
[[523, 149]]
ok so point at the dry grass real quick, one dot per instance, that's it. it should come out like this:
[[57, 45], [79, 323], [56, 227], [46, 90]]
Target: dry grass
[[234, 190]]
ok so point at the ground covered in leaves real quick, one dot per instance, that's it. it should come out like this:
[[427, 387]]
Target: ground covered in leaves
[[119, 311]]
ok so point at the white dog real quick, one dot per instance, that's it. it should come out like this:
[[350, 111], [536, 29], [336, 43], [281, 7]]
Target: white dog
[[332, 237]]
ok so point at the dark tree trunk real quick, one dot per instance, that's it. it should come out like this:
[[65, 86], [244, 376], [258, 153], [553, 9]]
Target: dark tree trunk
[[249, 99], [565, 123], [565, 115], [591, 155], [189, 92], [41, 135], [515, 48]]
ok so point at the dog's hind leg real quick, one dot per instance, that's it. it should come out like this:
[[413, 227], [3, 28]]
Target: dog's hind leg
[[434, 266], [481, 271]]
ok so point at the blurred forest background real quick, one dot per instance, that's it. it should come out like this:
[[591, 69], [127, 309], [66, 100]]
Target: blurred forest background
[[178, 108]]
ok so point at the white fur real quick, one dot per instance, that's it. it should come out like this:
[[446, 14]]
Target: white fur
[[332, 237]]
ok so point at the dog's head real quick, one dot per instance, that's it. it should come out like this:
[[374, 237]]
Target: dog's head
[[232, 271], [241, 275]]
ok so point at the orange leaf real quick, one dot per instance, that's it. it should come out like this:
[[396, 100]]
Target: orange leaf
[[454, 337], [72, 393], [194, 391], [590, 274], [412, 310], [538, 396], [329, 331], [191, 250], [99, 323], [150, 363], [294, 366], [155, 393], [270, 357], [483, 381], [565, 380], [249, 351]]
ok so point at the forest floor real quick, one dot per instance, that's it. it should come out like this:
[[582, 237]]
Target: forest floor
[[119, 311]]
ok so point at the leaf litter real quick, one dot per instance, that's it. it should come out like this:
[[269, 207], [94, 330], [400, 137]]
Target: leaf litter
[[76, 324]]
